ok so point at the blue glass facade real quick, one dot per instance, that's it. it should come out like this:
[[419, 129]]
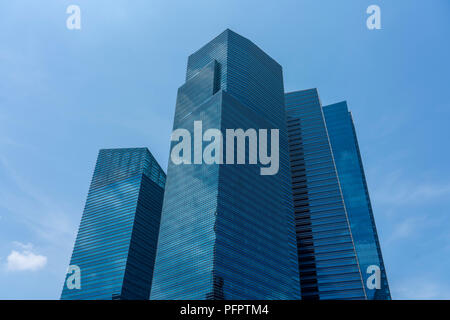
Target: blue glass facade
[[350, 170], [116, 243], [328, 265], [227, 232]]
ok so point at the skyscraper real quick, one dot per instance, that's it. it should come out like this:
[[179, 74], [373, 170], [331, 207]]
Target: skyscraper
[[328, 264], [227, 232], [116, 242], [342, 134]]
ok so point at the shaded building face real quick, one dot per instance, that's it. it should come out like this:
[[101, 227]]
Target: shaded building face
[[352, 179], [115, 247], [328, 264], [227, 232]]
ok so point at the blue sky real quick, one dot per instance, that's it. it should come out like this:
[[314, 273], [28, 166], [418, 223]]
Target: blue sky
[[64, 94]]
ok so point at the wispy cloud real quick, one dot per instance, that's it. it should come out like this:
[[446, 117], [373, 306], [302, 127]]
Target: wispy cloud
[[51, 223], [24, 246], [405, 228], [411, 193], [420, 289], [397, 190]]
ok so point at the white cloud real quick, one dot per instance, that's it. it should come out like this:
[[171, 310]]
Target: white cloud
[[25, 260]]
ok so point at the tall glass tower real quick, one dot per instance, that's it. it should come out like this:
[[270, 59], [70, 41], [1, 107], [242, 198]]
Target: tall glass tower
[[341, 131], [227, 232], [116, 243], [328, 264]]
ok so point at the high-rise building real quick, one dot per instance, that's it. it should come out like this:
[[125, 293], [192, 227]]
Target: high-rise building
[[344, 143], [328, 264], [116, 243], [227, 232]]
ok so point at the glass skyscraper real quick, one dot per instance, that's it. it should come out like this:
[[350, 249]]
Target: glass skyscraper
[[328, 265], [227, 232], [116, 243], [220, 230], [336, 235], [342, 134]]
